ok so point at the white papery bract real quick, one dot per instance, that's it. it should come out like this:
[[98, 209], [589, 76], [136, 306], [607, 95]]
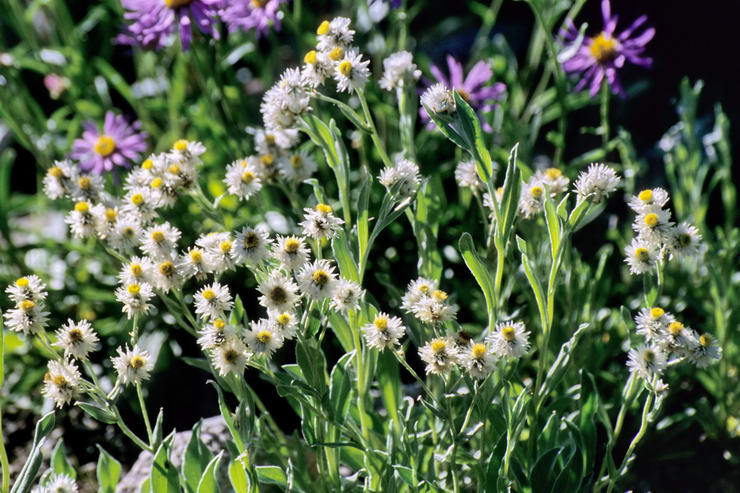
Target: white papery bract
[[219, 251], [27, 317], [352, 73], [317, 280], [641, 256], [184, 151], [125, 234], [242, 180], [59, 483], [405, 174], [466, 176], [60, 179], [704, 351], [291, 251], [29, 287], [652, 323], [509, 340], [194, 263], [135, 298], [279, 292], [440, 355], [478, 359], [77, 339], [596, 183], [334, 33], [320, 222], [347, 296], [434, 309], [384, 332], [213, 301], [285, 323], [230, 357], [159, 242], [262, 338], [61, 382], [648, 198], [646, 361], [398, 69], [438, 99], [297, 167], [416, 291], [133, 365], [553, 179], [251, 246], [81, 221], [687, 241], [532, 198]]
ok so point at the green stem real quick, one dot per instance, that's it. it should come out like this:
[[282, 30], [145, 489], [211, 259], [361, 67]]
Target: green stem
[[379, 145], [360, 381], [127, 431], [604, 111], [145, 414]]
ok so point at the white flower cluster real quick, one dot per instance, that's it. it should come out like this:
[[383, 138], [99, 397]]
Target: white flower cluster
[[399, 71], [405, 173], [56, 483], [427, 303], [549, 181], [438, 99], [658, 237], [596, 183], [29, 315], [667, 339]]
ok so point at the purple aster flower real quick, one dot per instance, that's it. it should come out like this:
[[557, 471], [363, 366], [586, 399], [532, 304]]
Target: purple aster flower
[[471, 88], [155, 21], [259, 15], [118, 143], [599, 57]]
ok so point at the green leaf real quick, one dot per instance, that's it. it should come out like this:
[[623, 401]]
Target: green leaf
[[27, 476], [239, 477], [271, 475], [545, 470], [160, 479], [108, 472], [98, 413], [209, 481], [480, 272], [510, 198], [389, 382], [341, 329], [554, 227], [59, 463], [196, 459], [228, 418], [345, 261], [312, 362], [340, 387]]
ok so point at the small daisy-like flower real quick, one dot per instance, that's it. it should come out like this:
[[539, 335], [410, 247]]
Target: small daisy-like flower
[[88, 188], [242, 180], [60, 483], [216, 333], [416, 291], [251, 246], [384, 332], [336, 33], [27, 317], [686, 241], [553, 179], [650, 197], [640, 255], [77, 339], [291, 251], [596, 183], [132, 365], [652, 323], [435, 308], [219, 248], [274, 141], [118, 143], [105, 219], [466, 176], [230, 357], [646, 361], [478, 359], [405, 173], [266, 166], [285, 323], [532, 198], [438, 99], [399, 70], [186, 151], [136, 271], [320, 222], [160, 241], [317, 280], [297, 167], [29, 287], [81, 221], [283, 105], [318, 66], [677, 338], [440, 355], [352, 72], [278, 292], [59, 179], [61, 382], [135, 298], [126, 233], [653, 224], [347, 296], [213, 301], [257, 15], [166, 275], [140, 203], [705, 351], [262, 338], [509, 340], [193, 263]]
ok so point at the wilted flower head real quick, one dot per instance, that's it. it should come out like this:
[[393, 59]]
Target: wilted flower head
[[597, 183], [118, 143]]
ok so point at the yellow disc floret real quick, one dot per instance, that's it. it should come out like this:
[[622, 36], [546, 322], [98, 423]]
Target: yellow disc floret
[[345, 68], [478, 350], [264, 336], [656, 312], [323, 28], [645, 195], [105, 145], [82, 207], [651, 220], [182, 144], [604, 48], [310, 57], [323, 208], [381, 323]]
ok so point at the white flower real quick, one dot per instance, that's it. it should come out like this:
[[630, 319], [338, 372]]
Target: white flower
[[646, 361], [596, 183], [274, 141], [653, 224], [218, 249], [347, 296], [291, 251], [647, 198], [440, 355], [677, 339], [266, 166], [81, 221], [438, 99], [216, 333], [466, 176], [398, 68], [297, 167], [186, 151], [61, 382], [213, 301], [318, 66], [193, 263], [416, 291], [640, 255], [132, 365], [262, 338], [285, 323], [553, 179], [242, 180], [60, 179], [478, 359], [286, 101], [434, 309], [532, 198], [87, 188], [705, 351], [352, 72], [126, 233], [686, 241], [27, 317], [278, 292], [230, 357], [384, 332], [509, 340], [135, 298], [60, 483], [320, 222], [652, 323], [334, 33], [404, 172], [140, 203], [251, 246], [317, 280], [136, 271], [27, 288], [77, 339], [105, 219], [166, 275], [160, 241]]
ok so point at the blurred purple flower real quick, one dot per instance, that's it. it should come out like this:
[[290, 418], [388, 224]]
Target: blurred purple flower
[[56, 85], [471, 88], [599, 57], [118, 143], [154, 21], [259, 15], [394, 3]]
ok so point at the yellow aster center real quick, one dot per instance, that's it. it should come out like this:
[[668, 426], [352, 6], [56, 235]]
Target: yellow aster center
[[251, 240], [296, 161], [292, 245], [553, 173], [439, 295], [56, 172], [320, 277], [323, 208], [209, 294], [649, 355], [508, 333], [323, 28], [225, 246], [58, 381], [137, 362], [156, 182], [345, 68], [136, 270], [642, 254], [174, 169], [133, 289], [381, 323], [705, 340], [22, 282], [196, 256], [656, 313], [283, 319], [182, 144], [82, 207], [536, 191], [167, 268], [248, 177], [604, 48], [309, 58], [84, 182], [336, 54], [219, 324], [651, 220], [137, 199], [111, 214], [675, 328], [147, 164], [269, 139], [424, 288], [264, 336], [26, 305], [478, 350], [438, 345], [258, 4], [105, 145], [645, 195], [267, 159], [157, 236]]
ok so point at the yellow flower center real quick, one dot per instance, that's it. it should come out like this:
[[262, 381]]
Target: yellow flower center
[[84, 182], [137, 199], [156, 182], [111, 214], [323, 28], [82, 207], [553, 173], [264, 336], [296, 161], [645, 195], [157, 236], [536, 191], [656, 313], [705, 340], [439, 295], [174, 169], [133, 289], [58, 381], [182, 144], [196, 256], [323, 208], [269, 139], [26, 305], [225, 246], [283, 319], [675, 328], [219, 324], [381, 323], [258, 4], [167, 268], [336, 54], [267, 159], [604, 48], [309, 58], [438, 345], [136, 270], [147, 164], [320, 277], [22, 282], [642, 254], [209, 294], [105, 145], [651, 220], [424, 288], [508, 333], [478, 350], [56, 172], [247, 177], [345, 68], [292, 245], [137, 362]]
